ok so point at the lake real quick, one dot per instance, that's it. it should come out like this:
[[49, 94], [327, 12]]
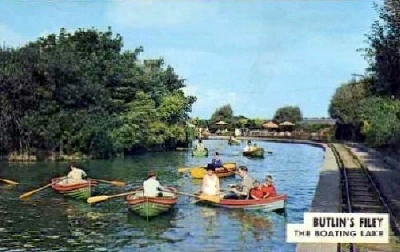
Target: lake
[[48, 222]]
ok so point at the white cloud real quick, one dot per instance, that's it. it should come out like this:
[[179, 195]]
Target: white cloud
[[158, 13], [211, 99]]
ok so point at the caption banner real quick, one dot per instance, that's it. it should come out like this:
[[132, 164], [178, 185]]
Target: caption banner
[[340, 228]]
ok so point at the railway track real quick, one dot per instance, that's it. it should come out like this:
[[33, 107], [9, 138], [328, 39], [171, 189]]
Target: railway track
[[361, 194]]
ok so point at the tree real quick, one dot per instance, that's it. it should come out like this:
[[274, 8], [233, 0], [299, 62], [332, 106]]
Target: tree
[[346, 101], [224, 113], [384, 50], [288, 113], [381, 121]]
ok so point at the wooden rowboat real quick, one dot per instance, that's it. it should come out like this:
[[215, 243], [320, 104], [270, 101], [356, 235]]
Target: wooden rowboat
[[269, 204], [258, 152], [200, 153], [151, 206], [228, 169], [233, 142], [76, 191]]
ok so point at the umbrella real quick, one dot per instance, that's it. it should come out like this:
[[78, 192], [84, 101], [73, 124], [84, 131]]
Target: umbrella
[[287, 123], [221, 123], [270, 125]]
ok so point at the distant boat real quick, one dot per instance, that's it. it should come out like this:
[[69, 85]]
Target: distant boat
[[256, 152], [233, 142], [200, 153]]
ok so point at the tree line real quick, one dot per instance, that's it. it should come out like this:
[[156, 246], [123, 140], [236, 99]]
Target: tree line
[[370, 104], [225, 113], [80, 92]]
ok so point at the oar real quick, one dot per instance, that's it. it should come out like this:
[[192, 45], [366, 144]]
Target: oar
[[27, 194], [9, 181], [188, 169], [116, 183], [210, 198], [96, 199]]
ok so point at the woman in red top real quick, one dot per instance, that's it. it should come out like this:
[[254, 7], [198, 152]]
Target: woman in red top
[[268, 187], [257, 192]]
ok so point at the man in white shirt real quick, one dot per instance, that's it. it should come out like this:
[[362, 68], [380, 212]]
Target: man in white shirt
[[248, 146], [75, 176], [151, 186]]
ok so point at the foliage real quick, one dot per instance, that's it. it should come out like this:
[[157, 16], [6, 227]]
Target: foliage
[[288, 113], [381, 118], [224, 113], [346, 101], [80, 92], [384, 53]]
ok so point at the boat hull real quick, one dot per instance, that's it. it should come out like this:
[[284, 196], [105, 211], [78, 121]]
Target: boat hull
[[80, 191], [151, 206], [227, 170], [268, 204], [234, 142], [202, 153], [259, 153]]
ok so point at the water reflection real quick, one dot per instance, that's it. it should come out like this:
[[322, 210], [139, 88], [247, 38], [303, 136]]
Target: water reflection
[[259, 226]]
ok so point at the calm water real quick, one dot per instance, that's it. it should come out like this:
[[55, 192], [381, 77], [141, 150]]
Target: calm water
[[48, 222]]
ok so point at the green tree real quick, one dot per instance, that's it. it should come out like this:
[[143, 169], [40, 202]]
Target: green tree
[[384, 50], [381, 118], [288, 113], [224, 113], [346, 101]]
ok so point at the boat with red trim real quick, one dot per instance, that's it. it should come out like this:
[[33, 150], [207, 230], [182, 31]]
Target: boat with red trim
[[152, 206], [77, 191], [268, 204]]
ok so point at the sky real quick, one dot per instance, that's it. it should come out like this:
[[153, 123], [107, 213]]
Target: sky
[[255, 55]]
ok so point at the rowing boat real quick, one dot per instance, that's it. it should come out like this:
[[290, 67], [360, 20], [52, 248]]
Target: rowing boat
[[151, 206], [233, 142], [258, 152], [76, 191], [269, 204], [200, 153], [227, 169]]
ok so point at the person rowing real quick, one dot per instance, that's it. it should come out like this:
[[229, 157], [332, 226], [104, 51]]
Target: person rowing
[[241, 191], [75, 176]]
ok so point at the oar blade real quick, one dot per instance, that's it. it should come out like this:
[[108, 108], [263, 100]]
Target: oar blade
[[9, 181], [183, 169], [118, 183], [26, 195], [215, 199], [96, 199]]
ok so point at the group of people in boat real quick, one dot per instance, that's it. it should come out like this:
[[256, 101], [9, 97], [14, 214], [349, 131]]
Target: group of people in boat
[[248, 188], [250, 147]]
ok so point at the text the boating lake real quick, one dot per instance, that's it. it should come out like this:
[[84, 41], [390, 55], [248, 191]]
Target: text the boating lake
[[48, 222]]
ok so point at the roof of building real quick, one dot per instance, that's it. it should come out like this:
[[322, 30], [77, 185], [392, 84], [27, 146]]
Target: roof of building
[[329, 121]]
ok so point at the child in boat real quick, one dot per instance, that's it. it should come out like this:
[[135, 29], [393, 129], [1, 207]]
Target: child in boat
[[268, 187], [257, 191], [210, 183], [75, 176], [151, 186]]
